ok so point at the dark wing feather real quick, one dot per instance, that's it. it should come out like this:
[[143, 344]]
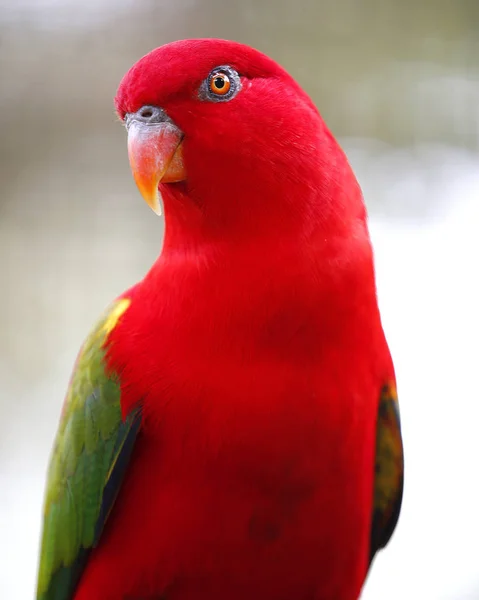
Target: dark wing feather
[[389, 470]]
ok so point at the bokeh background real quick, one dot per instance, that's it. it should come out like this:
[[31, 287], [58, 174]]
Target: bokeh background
[[398, 83]]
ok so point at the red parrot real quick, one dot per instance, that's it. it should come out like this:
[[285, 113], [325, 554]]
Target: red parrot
[[231, 430]]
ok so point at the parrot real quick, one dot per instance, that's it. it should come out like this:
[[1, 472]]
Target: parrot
[[231, 428]]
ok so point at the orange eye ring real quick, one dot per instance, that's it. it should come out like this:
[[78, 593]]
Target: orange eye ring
[[220, 84]]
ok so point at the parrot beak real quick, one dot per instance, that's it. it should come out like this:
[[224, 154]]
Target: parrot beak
[[155, 152]]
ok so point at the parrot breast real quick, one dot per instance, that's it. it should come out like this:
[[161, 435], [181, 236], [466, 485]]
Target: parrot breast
[[253, 473]]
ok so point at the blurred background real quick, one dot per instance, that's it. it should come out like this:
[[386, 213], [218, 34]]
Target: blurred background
[[398, 83]]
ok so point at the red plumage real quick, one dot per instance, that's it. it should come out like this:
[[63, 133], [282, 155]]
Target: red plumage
[[255, 347]]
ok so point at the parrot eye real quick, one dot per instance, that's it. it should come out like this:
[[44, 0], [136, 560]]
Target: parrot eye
[[222, 84]]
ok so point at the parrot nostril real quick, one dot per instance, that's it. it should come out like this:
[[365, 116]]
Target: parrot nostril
[[150, 114], [146, 112]]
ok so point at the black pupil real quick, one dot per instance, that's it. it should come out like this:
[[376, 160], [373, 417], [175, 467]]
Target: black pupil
[[219, 83]]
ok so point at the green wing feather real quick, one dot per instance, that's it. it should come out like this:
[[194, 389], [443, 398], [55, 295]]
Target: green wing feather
[[389, 470], [91, 442]]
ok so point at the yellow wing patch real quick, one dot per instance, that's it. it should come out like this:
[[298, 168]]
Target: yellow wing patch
[[114, 314]]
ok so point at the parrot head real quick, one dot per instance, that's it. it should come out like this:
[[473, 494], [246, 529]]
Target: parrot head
[[224, 136]]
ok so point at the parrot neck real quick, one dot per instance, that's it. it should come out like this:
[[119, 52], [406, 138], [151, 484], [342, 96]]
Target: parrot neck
[[194, 227], [305, 245], [317, 199]]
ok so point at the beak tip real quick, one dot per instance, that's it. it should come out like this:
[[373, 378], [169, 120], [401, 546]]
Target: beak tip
[[149, 191], [157, 209], [153, 199]]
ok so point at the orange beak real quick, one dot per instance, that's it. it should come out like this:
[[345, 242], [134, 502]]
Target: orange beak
[[155, 153]]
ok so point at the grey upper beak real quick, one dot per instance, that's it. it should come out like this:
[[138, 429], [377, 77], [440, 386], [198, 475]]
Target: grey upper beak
[[148, 115]]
